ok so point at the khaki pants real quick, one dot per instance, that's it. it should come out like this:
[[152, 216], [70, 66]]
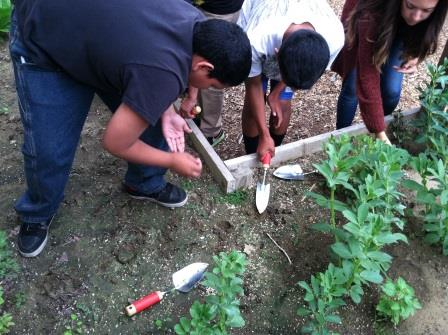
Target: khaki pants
[[211, 100]]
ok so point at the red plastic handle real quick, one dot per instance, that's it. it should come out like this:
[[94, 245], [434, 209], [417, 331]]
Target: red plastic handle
[[144, 303], [266, 160]]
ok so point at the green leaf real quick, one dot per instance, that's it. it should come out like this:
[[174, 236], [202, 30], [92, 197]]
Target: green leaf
[[322, 227], [341, 250], [302, 311], [445, 246], [413, 185], [363, 211], [379, 256], [333, 319], [432, 238], [371, 276], [355, 293]]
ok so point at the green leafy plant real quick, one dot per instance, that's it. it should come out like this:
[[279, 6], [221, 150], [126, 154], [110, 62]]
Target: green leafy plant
[[365, 173], [434, 101], [7, 263], [236, 198], [7, 267], [162, 324], [74, 326], [398, 301], [323, 297], [221, 311], [5, 15], [6, 319]]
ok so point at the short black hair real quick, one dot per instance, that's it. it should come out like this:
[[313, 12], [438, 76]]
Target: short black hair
[[303, 58], [227, 47]]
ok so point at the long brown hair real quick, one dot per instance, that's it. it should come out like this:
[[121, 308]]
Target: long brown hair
[[419, 41]]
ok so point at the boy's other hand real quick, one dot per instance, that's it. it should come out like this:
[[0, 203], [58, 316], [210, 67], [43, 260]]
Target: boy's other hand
[[187, 108], [265, 144], [173, 128], [276, 109], [186, 165]]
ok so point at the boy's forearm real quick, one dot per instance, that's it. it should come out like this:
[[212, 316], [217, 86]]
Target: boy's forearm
[[121, 139], [255, 96], [142, 153]]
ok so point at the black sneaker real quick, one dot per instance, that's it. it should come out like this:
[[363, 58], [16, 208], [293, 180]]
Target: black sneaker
[[170, 196], [215, 140], [33, 237]]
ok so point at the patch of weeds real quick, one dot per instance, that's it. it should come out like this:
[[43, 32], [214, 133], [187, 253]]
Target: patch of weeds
[[162, 324], [7, 263], [236, 198], [74, 326], [197, 209], [6, 318], [380, 327], [4, 110], [296, 230], [7, 267], [20, 299], [86, 311], [187, 184]]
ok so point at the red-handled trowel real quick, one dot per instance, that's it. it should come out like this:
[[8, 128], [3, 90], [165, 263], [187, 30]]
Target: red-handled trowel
[[183, 280], [263, 189]]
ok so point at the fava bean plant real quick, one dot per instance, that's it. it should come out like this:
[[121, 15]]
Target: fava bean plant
[[221, 310], [363, 177], [432, 165]]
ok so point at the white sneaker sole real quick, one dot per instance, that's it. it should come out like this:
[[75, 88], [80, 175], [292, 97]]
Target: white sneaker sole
[[41, 247], [164, 204]]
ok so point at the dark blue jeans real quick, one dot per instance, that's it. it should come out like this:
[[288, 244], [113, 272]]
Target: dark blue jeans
[[53, 108], [390, 82]]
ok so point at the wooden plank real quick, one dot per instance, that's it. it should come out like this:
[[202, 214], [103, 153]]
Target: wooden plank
[[218, 169], [306, 146]]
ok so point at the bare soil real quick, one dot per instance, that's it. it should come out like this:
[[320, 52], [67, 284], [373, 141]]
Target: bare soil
[[106, 249]]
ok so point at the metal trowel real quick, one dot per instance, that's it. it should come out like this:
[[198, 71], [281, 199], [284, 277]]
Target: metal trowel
[[291, 172], [263, 189], [183, 281]]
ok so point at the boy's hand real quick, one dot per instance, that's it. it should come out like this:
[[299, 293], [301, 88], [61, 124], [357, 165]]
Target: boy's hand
[[189, 102], [265, 144], [187, 108], [276, 109], [173, 128], [186, 165]]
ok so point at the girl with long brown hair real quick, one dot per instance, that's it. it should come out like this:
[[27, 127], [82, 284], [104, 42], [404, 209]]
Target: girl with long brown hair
[[385, 39]]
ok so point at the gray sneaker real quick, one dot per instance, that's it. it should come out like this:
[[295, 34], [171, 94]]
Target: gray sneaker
[[215, 140]]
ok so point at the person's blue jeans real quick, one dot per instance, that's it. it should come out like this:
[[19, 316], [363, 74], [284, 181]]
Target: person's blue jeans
[[391, 82], [53, 108]]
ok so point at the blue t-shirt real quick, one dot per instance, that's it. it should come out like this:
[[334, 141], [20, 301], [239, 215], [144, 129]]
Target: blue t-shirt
[[140, 50]]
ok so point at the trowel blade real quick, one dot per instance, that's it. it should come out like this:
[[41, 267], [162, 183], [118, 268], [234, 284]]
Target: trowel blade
[[262, 196], [290, 172], [186, 278]]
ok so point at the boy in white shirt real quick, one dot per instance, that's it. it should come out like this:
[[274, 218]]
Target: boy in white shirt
[[293, 42]]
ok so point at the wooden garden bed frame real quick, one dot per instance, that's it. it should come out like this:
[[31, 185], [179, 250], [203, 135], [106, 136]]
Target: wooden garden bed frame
[[236, 173]]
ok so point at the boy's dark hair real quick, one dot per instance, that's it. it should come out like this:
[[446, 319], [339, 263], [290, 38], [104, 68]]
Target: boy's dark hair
[[303, 58], [227, 47]]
